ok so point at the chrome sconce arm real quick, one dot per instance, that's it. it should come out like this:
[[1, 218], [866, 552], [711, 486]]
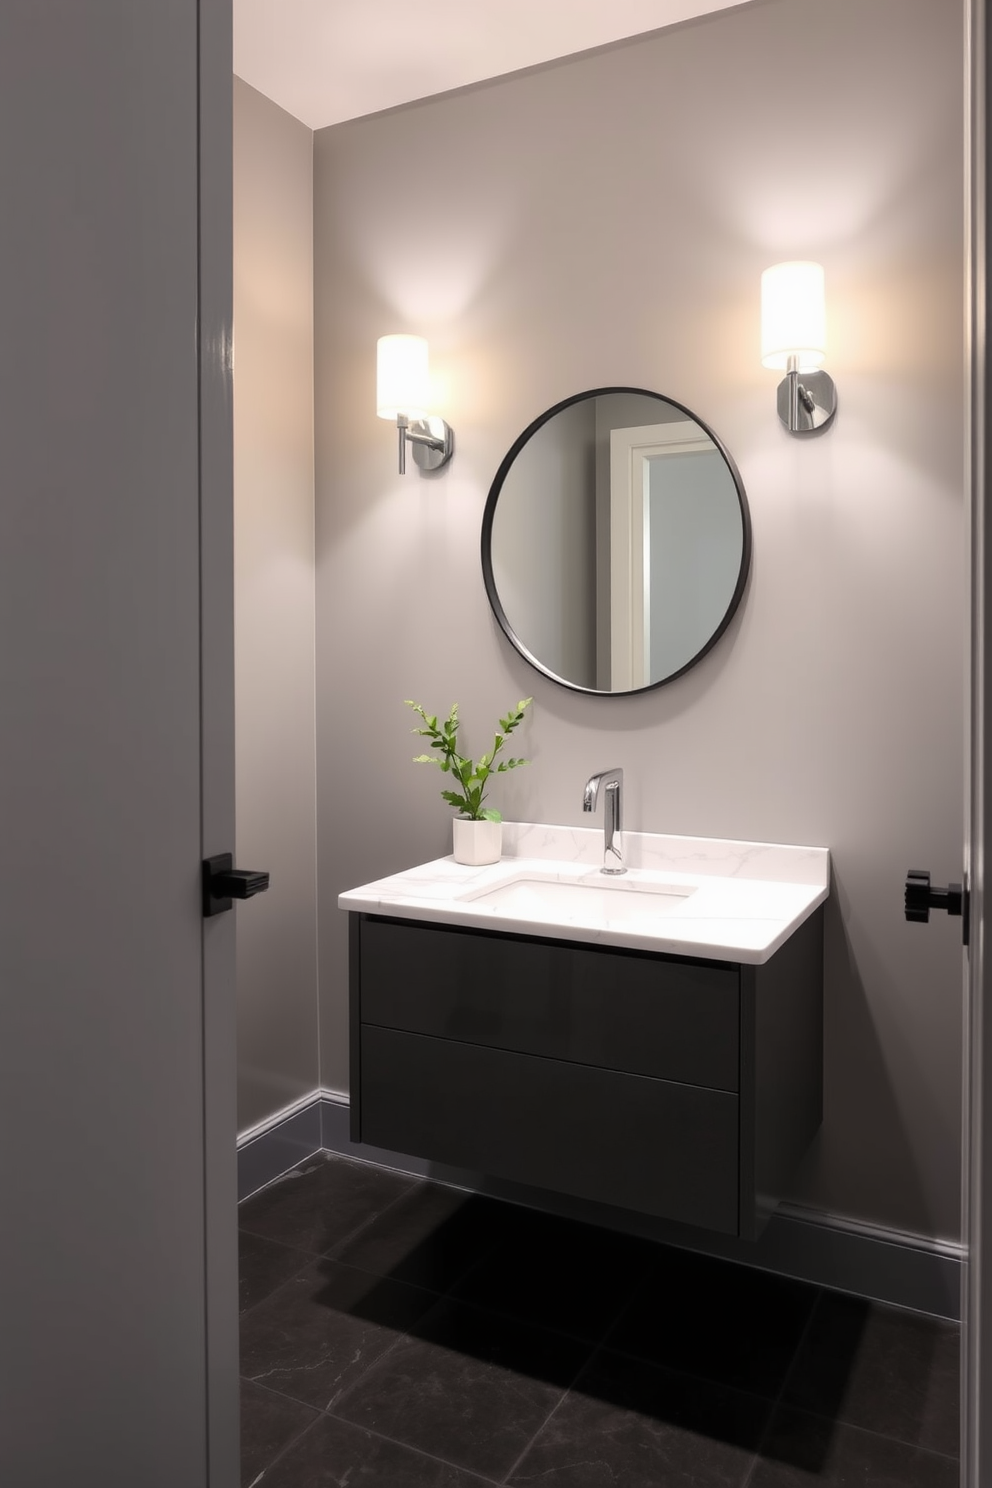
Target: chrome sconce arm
[[433, 441], [806, 400]]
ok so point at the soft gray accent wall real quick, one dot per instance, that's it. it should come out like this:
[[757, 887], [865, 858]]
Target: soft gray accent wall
[[274, 602], [113, 408], [605, 221]]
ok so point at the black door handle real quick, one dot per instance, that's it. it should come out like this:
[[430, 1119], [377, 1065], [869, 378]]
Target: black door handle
[[922, 897], [223, 883]]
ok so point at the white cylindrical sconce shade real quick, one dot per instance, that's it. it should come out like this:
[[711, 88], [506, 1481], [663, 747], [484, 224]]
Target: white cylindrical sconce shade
[[793, 316], [402, 377]]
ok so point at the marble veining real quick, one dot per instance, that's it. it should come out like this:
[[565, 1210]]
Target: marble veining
[[742, 900]]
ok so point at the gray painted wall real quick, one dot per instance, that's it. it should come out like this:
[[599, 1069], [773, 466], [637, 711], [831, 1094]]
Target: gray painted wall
[[605, 221], [274, 602]]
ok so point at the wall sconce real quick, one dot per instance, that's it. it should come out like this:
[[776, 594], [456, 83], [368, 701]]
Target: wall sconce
[[793, 340], [402, 393]]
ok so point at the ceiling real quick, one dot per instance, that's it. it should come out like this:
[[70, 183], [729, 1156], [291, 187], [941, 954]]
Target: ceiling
[[329, 60]]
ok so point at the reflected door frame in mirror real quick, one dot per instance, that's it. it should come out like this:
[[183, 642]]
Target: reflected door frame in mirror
[[619, 607]]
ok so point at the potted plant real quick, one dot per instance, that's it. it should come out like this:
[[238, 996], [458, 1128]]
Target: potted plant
[[477, 830]]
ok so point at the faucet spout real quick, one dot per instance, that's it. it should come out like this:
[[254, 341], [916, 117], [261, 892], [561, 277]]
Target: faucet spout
[[612, 783]]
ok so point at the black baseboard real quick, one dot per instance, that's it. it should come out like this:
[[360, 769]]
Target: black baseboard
[[268, 1153]]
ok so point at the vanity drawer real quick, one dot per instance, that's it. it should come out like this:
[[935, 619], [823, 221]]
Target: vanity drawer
[[670, 1019], [637, 1143]]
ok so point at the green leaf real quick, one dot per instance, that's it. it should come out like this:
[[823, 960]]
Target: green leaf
[[512, 720], [472, 777]]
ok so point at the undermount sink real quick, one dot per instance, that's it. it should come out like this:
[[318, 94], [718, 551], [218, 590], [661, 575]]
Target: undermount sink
[[716, 898], [531, 897]]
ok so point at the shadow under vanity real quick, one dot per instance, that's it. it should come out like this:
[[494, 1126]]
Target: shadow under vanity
[[668, 1065]]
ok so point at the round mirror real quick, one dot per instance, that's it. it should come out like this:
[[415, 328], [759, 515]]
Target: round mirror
[[616, 541]]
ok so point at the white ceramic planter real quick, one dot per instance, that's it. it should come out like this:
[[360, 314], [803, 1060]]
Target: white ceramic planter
[[477, 842]]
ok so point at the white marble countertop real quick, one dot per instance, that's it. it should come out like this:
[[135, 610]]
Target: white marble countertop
[[733, 901]]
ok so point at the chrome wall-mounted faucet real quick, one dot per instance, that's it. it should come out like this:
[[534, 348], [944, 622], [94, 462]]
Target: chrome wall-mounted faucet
[[612, 781]]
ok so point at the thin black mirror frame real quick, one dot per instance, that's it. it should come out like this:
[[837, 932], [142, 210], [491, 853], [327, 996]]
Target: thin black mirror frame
[[487, 532]]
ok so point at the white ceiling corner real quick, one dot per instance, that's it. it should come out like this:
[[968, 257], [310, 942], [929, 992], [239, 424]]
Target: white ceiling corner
[[325, 61]]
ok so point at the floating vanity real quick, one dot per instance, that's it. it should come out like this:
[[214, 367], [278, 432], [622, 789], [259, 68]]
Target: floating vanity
[[652, 1041]]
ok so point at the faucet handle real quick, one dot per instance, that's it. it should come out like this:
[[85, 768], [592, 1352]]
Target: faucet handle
[[590, 795]]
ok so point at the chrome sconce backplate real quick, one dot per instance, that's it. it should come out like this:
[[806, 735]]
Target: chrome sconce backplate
[[807, 401], [432, 439]]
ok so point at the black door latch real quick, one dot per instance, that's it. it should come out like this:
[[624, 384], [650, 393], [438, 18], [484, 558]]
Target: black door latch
[[921, 898], [223, 883]]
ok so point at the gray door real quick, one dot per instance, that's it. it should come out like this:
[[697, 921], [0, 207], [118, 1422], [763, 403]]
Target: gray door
[[117, 1209]]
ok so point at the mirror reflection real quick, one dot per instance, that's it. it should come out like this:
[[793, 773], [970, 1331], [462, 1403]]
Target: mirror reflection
[[616, 541]]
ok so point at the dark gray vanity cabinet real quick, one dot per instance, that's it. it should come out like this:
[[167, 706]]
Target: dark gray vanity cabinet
[[684, 1089]]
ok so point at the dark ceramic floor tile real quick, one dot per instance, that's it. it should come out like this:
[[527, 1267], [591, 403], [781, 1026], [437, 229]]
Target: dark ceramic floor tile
[[559, 1274], [322, 1202], [891, 1371], [430, 1238], [631, 1424], [264, 1265], [468, 1386], [337, 1455], [728, 1323], [269, 1423], [801, 1450], [322, 1329]]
